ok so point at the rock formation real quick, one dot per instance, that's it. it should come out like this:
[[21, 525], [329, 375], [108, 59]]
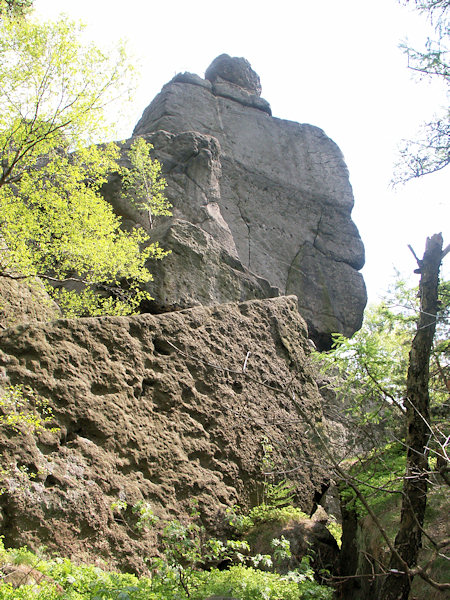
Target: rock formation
[[160, 407], [261, 205], [155, 408]]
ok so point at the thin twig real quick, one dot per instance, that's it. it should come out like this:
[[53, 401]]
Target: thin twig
[[244, 368]]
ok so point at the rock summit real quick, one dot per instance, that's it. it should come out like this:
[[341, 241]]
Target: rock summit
[[262, 205]]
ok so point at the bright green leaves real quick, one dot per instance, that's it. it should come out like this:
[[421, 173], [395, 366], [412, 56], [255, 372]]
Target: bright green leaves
[[54, 222], [371, 366], [56, 225], [143, 184], [51, 220], [54, 91], [23, 411], [83, 582], [247, 583]]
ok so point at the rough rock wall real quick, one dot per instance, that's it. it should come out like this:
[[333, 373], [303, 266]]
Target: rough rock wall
[[155, 408], [272, 194], [25, 301], [204, 267]]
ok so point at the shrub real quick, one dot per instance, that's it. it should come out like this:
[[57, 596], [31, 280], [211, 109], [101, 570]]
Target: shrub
[[247, 583]]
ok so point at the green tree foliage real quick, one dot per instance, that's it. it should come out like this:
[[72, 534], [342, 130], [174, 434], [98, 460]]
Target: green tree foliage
[[15, 8], [430, 151], [22, 412], [54, 92], [421, 439], [370, 368], [53, 221], [398, 365], [60, 578], [143, 184]]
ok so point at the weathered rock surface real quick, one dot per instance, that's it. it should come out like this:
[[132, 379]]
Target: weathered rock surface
[[204, 266], [18, 575], [200, 271], [155, 408], [306, 536], [25, 301], [275, 194]]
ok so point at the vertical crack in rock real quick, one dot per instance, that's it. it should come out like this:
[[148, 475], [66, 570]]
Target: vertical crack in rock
[[317, 229], [249, 240], [201, 188], [235, 165], [294, 268]]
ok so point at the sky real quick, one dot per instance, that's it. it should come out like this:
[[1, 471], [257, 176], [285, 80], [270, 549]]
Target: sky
[[333, 64]]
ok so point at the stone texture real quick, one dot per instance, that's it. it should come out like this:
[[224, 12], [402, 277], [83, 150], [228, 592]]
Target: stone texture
[[192, 168], [200, 271], [25, 301], [236, 71], [306, 537], [203, 267], [274, 193], [155, 408], [18, 575]]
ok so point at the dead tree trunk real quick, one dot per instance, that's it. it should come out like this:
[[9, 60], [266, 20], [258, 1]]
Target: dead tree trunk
[[397, 583]]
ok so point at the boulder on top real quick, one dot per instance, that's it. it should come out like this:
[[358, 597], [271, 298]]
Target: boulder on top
[[234, 70]]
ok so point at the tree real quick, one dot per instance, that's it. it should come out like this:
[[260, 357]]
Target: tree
[[383, 383], [143, 184], [53, 221], [430, 152], [374, 363], [403, 562], [54, 92], [375, 359], [15, 8]]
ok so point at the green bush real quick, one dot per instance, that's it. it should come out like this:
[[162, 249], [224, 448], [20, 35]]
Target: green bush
[[29, 592], [247, 583], [263, 513], [87, 582], [380, 476]]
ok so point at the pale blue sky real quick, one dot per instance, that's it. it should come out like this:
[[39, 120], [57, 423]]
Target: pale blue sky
[[332, 64]]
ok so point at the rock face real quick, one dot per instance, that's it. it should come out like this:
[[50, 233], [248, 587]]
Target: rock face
[[25, 301], [204, 267], [155, 408], [273, 195]]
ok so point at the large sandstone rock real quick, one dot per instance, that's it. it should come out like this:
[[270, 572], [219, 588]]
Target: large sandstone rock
[[203, 266], [275, 194], [155, 408], [25, 301]]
